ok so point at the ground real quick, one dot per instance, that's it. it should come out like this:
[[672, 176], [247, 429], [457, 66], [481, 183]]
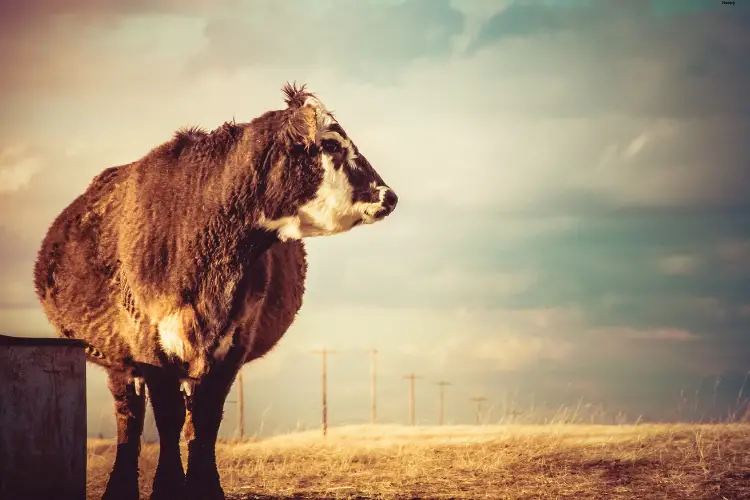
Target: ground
[[647, 461]]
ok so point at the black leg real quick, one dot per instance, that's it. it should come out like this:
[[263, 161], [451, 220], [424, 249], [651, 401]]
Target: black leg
[[130, 409], [169, 415], [206, 409]]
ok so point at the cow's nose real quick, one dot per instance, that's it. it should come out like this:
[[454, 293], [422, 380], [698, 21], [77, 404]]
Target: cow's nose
[[390, 200]]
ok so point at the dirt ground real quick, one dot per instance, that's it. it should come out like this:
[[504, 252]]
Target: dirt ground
[[680, 461]]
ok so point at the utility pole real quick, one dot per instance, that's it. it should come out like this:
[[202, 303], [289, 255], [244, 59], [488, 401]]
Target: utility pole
[[411, 378], [442, 385], [374, 409], [478, 400], [241, 404], [324, 353]]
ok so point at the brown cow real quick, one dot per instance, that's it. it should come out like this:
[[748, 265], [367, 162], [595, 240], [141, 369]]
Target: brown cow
[[180, 267]]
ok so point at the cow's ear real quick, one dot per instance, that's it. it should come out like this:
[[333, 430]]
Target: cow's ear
[[301, 128]]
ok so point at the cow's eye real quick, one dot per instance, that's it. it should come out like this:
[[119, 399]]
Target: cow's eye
[[331, 146]]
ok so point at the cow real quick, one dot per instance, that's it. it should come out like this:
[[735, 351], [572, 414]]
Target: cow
[[182, 266]]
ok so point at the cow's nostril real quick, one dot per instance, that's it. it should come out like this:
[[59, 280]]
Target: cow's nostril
[[390, 200]]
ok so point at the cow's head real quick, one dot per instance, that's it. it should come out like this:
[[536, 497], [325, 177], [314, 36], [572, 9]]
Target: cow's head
[[326, 184]]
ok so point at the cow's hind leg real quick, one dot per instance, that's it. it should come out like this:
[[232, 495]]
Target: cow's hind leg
[[169, 414], [206, 408], [130, 408]]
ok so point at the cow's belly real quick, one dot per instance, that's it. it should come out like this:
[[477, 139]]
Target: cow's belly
[[287, 268]]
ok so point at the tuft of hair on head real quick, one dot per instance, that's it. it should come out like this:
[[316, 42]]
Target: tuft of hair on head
[[294, 96], [301, 126]]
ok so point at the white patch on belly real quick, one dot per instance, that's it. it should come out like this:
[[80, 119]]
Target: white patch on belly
[[170, 335]]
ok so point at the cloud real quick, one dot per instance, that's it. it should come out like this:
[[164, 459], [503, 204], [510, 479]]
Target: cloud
[[710, 307], [665, 174], [476, 340], [514, 150], [269, 366], [678, 264], [667, 334], [533, 18], [735, 254], [436, 338], [17, 166], [497, 284], [506, 353], [475, 13], [24, 321], [17, 254], [637, 145], [20, 313], [41, 41], [687, 53], [366, 40], [384, 327], [33, 12], [513, 339], [427, 282]]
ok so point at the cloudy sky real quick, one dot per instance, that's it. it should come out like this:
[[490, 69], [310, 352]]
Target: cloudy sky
[[573, 178]]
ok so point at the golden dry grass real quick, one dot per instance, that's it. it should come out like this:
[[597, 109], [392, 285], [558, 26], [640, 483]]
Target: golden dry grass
[[680, 461]]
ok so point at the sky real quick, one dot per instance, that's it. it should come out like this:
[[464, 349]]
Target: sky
[[573, 220]]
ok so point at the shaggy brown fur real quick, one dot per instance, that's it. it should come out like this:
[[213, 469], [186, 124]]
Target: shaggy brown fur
[[170, 243]]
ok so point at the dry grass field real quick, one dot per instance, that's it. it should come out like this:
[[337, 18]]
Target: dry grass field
[[680, 461]]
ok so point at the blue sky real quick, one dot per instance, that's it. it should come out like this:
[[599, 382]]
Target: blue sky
[[573, 180]]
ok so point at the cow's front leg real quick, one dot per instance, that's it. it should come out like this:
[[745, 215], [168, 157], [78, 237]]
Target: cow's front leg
[[130, 408], [169, 415], [206, 407]]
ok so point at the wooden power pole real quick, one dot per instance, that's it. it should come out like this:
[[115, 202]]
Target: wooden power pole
[[478, 400], [373, 387], [411, 378], [241, 404], [442, 385], [324, 353]]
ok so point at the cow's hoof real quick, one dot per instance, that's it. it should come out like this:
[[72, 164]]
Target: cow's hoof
[[203, 489], [169, 484], [121, 488]]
